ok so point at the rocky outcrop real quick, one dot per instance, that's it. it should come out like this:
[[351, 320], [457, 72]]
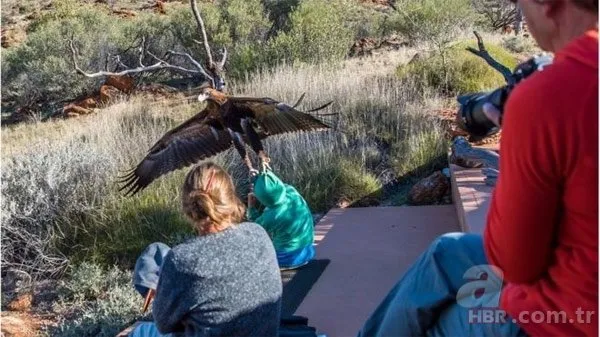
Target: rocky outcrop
[[125, 84], [113, 88]]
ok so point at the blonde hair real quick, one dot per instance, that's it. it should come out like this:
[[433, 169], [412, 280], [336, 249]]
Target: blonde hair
[[209, 192]]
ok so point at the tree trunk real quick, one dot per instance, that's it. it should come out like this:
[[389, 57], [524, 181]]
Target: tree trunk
[[518, 21]]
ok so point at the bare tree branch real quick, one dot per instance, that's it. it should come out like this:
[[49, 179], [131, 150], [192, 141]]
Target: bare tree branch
[[222, 63], [118, 61], [200, 23], [210, 70], [483, 53], [196, 63], [161, 64], [142, 51], [499, 13]]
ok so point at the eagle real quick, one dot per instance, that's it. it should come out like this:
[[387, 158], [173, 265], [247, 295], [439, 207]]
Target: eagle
[[225, 121]]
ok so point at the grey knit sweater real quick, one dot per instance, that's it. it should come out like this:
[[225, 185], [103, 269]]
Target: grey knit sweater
[[227, 284]]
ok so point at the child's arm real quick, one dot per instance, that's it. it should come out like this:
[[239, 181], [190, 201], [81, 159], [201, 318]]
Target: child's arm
[[252, 213]]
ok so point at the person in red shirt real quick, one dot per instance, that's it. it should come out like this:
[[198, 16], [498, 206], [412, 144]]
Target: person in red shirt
[[534, 272]]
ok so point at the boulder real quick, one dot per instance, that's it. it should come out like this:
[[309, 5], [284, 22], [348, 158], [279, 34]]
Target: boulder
[[465, 155], [124, 83], [430, 190], [108, 93], [83, 106]]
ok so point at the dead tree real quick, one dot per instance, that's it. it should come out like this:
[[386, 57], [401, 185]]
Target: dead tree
[[211, 70], [484, 54], [499, 13], [518, 22]]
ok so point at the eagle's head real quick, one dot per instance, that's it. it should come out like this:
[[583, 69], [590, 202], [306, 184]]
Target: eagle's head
[[212, 94]]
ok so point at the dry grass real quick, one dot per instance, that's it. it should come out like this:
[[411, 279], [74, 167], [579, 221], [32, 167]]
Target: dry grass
[[59, 192]]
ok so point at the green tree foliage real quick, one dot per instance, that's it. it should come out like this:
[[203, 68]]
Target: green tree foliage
[[318, 33], [436, 22], [41, 68]]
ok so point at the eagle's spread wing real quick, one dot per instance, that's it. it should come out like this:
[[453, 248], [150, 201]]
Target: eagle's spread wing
[[273, 117], [198, 138]]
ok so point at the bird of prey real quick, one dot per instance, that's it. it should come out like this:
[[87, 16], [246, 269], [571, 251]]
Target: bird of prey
[[225, 121]]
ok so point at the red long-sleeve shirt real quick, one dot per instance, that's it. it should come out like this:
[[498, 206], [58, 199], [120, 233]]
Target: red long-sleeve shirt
[[542, 226]]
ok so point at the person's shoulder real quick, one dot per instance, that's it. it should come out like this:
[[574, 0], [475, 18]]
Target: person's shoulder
[[186, 250], [252, 229], [548, 89]]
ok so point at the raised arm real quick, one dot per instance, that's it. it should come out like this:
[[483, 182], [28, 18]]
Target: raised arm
[[524, 210]]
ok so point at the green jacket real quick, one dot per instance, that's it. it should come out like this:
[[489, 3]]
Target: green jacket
[[286, 217]]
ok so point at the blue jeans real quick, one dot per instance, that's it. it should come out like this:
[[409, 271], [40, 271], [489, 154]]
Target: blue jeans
[[441, 295]]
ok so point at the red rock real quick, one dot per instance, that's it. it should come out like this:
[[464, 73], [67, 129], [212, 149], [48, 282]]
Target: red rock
[[108, 93], [430, 190], [124, 83], [21, 303]]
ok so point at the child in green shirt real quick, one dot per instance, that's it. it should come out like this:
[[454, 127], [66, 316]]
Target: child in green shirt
[[286, 218]]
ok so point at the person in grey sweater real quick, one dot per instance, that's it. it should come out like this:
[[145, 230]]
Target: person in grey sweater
[[225, 281]]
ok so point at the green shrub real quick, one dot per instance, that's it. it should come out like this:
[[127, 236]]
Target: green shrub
[[40, 68], [520, 45], [420, 153], [96, 302], [436, 22], [366, 21], [465, 71], [247, 20], [245, 59], [318, 33], [86, 282], [128, 225], [279, 14], [184, 28], [343, 179]]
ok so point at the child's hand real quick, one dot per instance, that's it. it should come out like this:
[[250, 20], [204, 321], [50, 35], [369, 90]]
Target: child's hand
[[251, 200]]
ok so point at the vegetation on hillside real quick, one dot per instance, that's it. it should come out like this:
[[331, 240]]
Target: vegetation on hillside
[[62, 214], [459, 71]]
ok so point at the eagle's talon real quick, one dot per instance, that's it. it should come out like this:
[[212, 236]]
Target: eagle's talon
[[254, 172]]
